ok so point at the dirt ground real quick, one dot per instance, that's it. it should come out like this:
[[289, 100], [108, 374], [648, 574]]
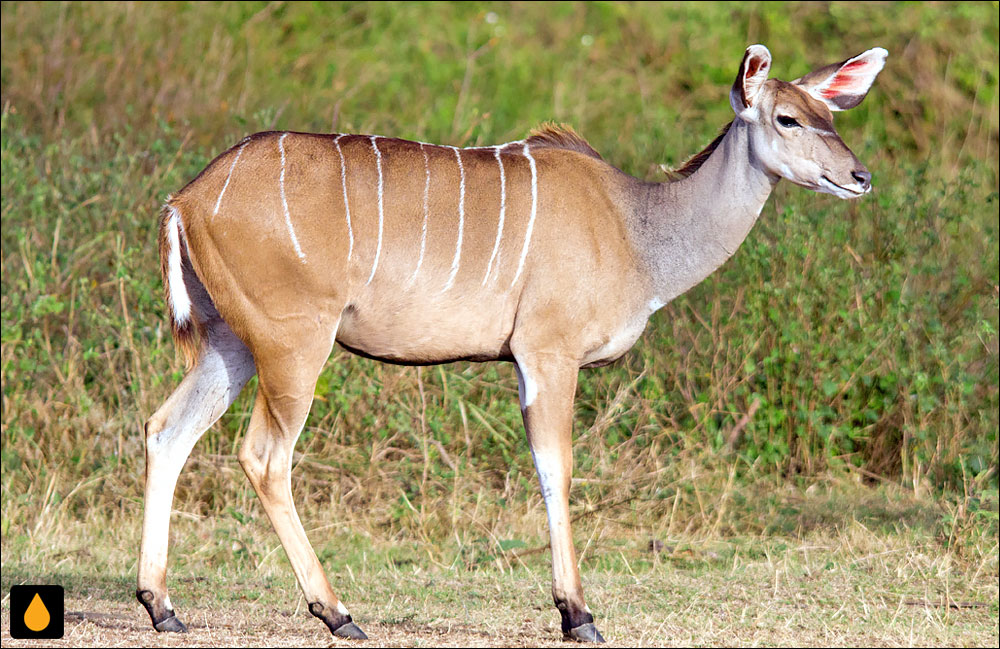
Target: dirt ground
[[638, 612], [90, 623]]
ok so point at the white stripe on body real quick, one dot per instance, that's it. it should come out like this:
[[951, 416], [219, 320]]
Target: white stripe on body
[[347, 206], [378, 248], [468, 148], [531, 219], [284, 201], [423, 232], [461, 221], [229, 176], [180, 301], [503, 209], [493, 146], [461, 225]]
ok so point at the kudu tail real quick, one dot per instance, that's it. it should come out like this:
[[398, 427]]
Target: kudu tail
[[175, 268]]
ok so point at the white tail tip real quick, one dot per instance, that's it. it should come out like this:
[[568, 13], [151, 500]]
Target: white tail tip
[[180, 301]]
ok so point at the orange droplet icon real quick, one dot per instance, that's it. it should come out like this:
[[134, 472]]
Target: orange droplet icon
[[36, 617]]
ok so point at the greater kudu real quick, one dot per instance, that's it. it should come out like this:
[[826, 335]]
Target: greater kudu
[[536, 252]]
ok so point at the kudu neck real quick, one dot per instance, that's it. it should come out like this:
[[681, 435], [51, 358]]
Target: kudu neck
[[687, 228]]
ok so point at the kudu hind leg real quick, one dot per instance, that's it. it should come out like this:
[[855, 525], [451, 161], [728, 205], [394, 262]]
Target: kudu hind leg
[[223, 367], [283, 402], [547, 386]]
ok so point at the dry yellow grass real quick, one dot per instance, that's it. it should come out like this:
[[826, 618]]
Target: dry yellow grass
[[791, 602], [856, 566]]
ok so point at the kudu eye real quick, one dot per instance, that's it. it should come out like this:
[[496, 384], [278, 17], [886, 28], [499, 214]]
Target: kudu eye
[[788, 122]]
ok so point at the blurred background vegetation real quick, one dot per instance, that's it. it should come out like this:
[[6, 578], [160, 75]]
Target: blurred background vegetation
[[845, 343]]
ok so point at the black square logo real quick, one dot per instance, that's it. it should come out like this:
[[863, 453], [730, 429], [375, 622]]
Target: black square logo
[[36, 612]]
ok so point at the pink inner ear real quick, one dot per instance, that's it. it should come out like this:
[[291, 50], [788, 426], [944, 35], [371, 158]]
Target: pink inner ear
[[853, 76]]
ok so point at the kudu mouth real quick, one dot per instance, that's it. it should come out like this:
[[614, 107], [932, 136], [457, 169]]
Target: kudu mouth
[[861, 186], [848, 184]]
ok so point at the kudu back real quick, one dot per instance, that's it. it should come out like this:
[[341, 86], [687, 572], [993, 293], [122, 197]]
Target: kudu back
[[536, 252]]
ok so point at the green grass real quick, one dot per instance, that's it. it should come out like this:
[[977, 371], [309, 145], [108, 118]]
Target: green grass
[[865, 331]]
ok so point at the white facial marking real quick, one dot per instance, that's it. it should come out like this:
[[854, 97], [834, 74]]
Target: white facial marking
[[284, 201], [378, 248], [527, 389], [342, 609], [827, 187], [423, 232], [347, 206], [817, 131], [229, 176], [503, 209], [461, 221], [180, 301], [655, 304], [531, 219]]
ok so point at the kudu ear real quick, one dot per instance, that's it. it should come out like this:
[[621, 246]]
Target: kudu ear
[[843, 85], [753, 73]]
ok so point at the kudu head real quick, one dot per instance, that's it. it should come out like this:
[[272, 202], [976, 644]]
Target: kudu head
[[791, 124]]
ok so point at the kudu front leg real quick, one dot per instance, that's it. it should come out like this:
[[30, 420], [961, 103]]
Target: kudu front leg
[[547, 386]]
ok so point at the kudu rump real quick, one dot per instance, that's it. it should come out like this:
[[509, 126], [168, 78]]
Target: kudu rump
[[537, 252]]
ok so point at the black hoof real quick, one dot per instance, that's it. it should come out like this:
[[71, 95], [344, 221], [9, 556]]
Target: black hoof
[[339, 622], [351, 631], [171, 624], [163, 618], [584, 633]]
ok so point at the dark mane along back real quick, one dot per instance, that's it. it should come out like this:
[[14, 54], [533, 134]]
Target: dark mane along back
[[560, 136], [698, 159]]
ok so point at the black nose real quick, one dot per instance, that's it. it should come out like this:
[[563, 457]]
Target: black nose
[[864, 177]]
